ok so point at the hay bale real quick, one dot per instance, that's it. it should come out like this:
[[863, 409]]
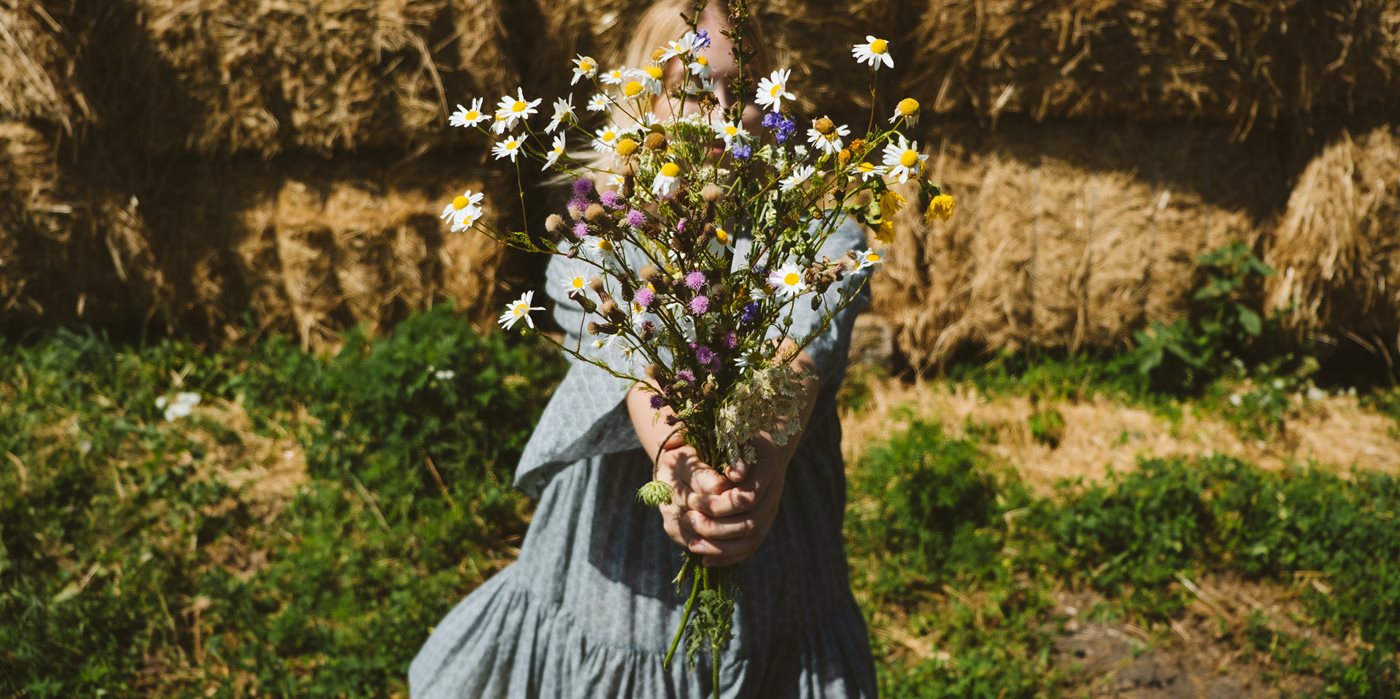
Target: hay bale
[[1336, 250], [36, 68], [1245, 63], [1066, 236]]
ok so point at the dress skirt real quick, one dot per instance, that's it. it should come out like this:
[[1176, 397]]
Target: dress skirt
[[589, 608]]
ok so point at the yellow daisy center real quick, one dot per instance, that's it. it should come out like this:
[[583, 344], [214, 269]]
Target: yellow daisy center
[[473, 115], [731, 130], [518, 107], [577, 283], [654, 72], [657, 54], [460, 202], [872, 257], [626, 147], [879, 46], [586, 65], [702, 60], [609, 137], [775, 90], [866, 167], [909, 159], [603, 244], [520, 309], [722, 236], [632, 88], [908, 106], [791, 278], [512, 145], [670, 170]]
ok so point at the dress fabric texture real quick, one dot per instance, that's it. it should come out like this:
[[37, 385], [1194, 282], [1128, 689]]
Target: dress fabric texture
[[589, 608]]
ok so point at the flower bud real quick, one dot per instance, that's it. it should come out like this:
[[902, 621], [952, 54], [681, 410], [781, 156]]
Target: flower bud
[[655, 141], [823, 126], [596, 284], [711, 192], [654, 494], [594, 213], [554, 223]]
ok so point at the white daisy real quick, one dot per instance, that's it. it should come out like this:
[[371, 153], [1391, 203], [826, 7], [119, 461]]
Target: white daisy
[[584, 67], [730, 131], [723, 240], [464, 219], [772, 90], [575, 284], [467, 117], [649, 77], [499, 124], [595, 248], [873, 52], [903, 159], [829, 143], [613, 77], [868, 170], [667, 180], [563, 109], [553, 155], [798, 176], [687, 44], [648, 119], [461, 202], [700, 67], [513, 109], [605, 139], [869, 258], [787, 280], [599, 103], [520, 308], [616, 180], [508, 147]]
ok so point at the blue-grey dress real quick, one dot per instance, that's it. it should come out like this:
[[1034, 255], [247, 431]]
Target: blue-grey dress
[[589, 608]]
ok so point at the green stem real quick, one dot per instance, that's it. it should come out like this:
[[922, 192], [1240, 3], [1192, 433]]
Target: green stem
[[685, 616]]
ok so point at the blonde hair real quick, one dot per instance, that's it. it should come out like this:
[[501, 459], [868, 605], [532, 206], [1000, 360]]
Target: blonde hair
[[659, 25]]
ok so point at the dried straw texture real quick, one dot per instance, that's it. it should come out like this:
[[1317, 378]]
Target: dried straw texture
[[1243, 63], [1336, 250], [267, 76], [1066, 236], [36, 67]]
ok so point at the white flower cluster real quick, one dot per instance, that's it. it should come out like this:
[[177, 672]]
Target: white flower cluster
[[769, 401]]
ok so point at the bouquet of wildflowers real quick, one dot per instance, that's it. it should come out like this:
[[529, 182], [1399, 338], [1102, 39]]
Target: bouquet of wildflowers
[[657, 221]]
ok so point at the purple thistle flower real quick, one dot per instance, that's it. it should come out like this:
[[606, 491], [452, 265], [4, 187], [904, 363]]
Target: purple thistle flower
[[657, 402], [685, 375], [584, 187], [635, 218], [612, 200], [742, 151], [680, 225], [643, 297], [706, 356], [580, 229], [731, 339], [699, 305], [695, 280], [750, 313], [577, 205]]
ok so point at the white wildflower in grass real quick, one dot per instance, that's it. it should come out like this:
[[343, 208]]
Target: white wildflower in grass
[[798, 176], [868, 170], [908, 110], [182, 406], [460, 202], [903, 159], [730, 131], [464, 219], [757, 407], [563, 109], [554, 152], [605, 139], [518, 309], [575, 284], [443, 374], [667, 179], [466, 117], [869, 258], [599, 103], [699, 67], [830, 142], [614, 76], [515, 109], [772, 90], [508, 147], [873, 52], [584, 67], [787, 280]]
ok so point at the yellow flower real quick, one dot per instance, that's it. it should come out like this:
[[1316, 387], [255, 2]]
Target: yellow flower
[[890, 204], [907, 109], [626, 147], [632, 89], [941, 207]]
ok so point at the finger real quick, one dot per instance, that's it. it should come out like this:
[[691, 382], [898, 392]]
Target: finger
[[675, 441], [736, 500], [737, 471], [708, 481], [671, 522], [721, 528], [724, 552]]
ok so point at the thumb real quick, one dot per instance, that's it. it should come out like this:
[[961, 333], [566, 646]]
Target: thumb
[[737, 470], [675, 441]]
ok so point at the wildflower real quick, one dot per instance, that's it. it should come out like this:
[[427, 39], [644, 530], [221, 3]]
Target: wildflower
[[695, 280], [461, 202], [466, 218], [584, 67], [612, 200], [182, 406], [576, 284], [581, 229], [730, 131], [498, 124], [890, 204], [513, 109], [873, 52], [667, 179], [868, 170], [787, 280], [584, 187], [626, 147], [631, 88], [699, 305], [725, 239], [750, 313], [563, 109], [798, 176], [605, 138], [699, 67], [869, 258], [742, 151], [599, 103], [829, 140], [772, 90], [941, 207], [557, 150], [509, 147], [907, 109], [465, 117], [650, 78], [786, 128], [685, 375], [613, 77], [655, 493], [687, 44], [635, 219], [644, 296], [443, 374], [903, 159], [616, 181], [520, 308], [705, 355]]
